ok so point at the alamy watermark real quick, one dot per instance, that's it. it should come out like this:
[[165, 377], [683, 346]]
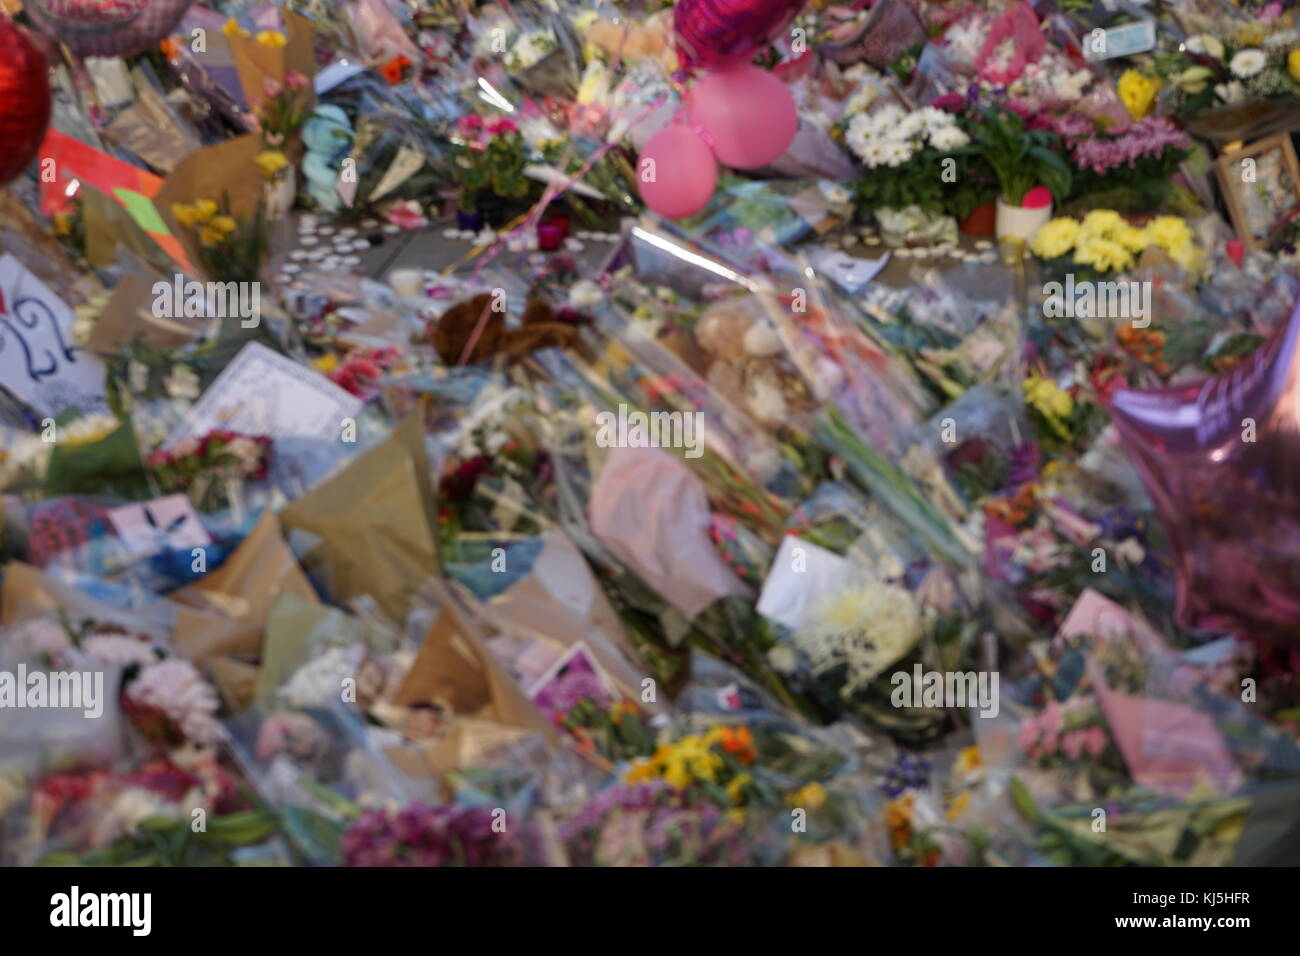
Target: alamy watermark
[[75, 908], [188, 299], [1098, 300], [55, 690], [637, 429], [959, 689]]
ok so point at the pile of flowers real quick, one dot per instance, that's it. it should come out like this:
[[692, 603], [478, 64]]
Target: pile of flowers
[[1107, 243]]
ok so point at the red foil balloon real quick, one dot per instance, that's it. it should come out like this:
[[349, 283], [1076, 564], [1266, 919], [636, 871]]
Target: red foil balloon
[[24, 100], [1221, 461], [713, 33]]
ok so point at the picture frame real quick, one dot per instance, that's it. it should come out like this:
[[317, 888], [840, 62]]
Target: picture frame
[[1259, 207]]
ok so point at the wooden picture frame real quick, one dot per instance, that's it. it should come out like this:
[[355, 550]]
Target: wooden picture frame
[[1257, 208]]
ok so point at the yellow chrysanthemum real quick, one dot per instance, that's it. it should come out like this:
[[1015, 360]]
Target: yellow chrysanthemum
[[1169, 232], [271, 38], [810, 796], [1138, 92], [1056, 238], [1132, 238], [1104, 255], [231, 28], [1103, 223], [1048, 397], [677, 776], [270, 162], [1189, 255]]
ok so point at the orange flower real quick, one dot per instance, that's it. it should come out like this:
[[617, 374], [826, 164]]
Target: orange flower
[[170, 47], [898, 818], [739, 742], [392, 70]]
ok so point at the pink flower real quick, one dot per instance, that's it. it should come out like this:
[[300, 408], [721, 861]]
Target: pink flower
[[294, 80], [470, 124], [502, 126], [271, 88], [407, 214], [1095, 741], [1072, 744]]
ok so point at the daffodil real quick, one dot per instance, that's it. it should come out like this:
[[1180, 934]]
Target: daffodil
[[1055, 238], [224, 224], [271, 38], [231, 28]]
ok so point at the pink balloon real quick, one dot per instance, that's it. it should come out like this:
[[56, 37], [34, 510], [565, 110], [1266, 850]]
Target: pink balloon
[[713, 33], [747, 113], [676, 172]]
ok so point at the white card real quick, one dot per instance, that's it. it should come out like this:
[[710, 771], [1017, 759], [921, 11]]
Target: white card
[[150, 527], [849, 272], [262, 393], [38, 360], [802, 573]]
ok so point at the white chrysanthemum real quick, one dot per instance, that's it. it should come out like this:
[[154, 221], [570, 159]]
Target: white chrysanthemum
[[1282, 39], [1247, 63], [910, 125], [948, 138], [319, 682], [896, 154], [178, 690], [864, 629]]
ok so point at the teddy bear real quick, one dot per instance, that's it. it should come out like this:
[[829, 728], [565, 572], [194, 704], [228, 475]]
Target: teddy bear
[[746, 363]]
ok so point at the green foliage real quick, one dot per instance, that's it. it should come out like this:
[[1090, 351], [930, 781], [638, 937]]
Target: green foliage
[[1020, 158]]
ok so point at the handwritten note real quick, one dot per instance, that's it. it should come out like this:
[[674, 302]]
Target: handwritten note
[[39, 361]]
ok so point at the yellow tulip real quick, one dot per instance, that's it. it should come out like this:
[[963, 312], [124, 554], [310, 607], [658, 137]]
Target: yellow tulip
[[204, 210], [270, 162], [271, 38], [231, 28], [224, 225]]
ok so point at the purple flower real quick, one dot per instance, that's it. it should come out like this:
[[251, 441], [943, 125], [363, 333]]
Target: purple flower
[[420, 835]]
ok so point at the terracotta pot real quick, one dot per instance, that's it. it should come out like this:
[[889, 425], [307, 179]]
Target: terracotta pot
[[981, 221]]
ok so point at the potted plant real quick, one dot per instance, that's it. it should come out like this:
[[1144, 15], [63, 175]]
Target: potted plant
[[488, 164], [1021, 159]]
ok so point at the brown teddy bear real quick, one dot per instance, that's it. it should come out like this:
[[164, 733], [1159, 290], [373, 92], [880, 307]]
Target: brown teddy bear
[[747, 364]]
